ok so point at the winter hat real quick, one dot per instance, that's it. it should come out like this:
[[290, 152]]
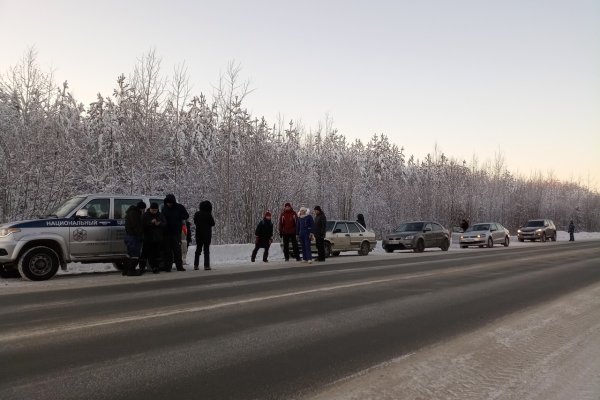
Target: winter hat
[[154, 206], [287, 205], [170, 198], [268, 214], [141, 205]]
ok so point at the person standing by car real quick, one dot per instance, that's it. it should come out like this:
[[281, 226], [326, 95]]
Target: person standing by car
[[264, 237], [154, 223], [304, 230], [319, 232], [204, 222], [134, 233], [571, 231], [464, 225], [287, 230], [361, 220], [174, 214]]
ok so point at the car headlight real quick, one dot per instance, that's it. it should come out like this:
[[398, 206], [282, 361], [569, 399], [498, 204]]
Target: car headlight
[[462, 237], [4, 232], [539, 230], [481, 235], [409, 237], [519, 231]]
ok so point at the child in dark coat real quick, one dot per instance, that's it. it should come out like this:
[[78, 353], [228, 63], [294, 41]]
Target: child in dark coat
[[264, 237]]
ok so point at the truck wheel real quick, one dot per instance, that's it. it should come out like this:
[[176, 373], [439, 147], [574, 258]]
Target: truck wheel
[[335, 253], [38, 264]]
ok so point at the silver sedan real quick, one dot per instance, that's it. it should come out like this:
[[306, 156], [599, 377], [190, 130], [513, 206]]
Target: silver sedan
[[485, 234]]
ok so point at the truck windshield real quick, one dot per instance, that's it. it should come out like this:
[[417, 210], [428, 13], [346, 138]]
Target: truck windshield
[[66, 208]]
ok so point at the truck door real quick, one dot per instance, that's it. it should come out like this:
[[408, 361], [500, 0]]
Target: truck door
[[90, 236]]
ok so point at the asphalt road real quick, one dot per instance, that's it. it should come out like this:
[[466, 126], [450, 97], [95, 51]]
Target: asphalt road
[[267, 334]]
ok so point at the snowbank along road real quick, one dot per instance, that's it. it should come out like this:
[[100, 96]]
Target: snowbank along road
[[500, 323]]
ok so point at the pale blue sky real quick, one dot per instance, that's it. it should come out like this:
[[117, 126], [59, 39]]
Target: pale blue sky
[[475, 77]]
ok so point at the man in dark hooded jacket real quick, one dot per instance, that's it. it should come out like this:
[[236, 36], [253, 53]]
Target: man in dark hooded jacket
[[319, 232], [134, 232], [204, 222], [154, 225], [175, 215]]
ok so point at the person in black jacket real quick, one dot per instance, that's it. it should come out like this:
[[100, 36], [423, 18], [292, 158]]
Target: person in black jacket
[[319, 232], [134, 233], [204, 222], [175, 214], [264, 237], [154, 224], [571, 231], [361, 220]]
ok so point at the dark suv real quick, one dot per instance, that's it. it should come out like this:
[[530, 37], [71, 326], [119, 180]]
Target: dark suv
[[535, 229]]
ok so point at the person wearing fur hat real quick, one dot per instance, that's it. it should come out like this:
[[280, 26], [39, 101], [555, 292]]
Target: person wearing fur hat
[[319, 232], [204, 222], [175, 214], [287, 230], [264, 237], [304, 230], [134, 233]]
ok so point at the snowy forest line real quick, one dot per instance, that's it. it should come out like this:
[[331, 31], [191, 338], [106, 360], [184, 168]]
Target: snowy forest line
[[152, 136]]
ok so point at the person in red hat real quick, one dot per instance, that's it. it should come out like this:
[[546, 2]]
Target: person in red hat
[[288, 221], [264, 237]]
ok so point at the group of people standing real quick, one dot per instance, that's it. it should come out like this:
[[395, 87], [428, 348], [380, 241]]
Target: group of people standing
[[293, 227], [154, 237]]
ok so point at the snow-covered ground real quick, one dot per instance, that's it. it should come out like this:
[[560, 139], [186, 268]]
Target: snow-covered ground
[[234, 256]]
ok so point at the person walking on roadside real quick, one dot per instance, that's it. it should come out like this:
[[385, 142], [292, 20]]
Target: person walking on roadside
[[304, 229], [175, 214], [204, 222], [319, 232], [154, 224], [134, 233], [288, 220], [264, 237], [361, 220], [571, 231]]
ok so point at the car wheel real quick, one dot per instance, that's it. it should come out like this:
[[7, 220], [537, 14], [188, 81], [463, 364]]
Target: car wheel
[[554, 237], [389, 250], [521, 240], [365, 248], [543, 237], [120, 265], [38, 264], [327, 249], [445, 245], [490, 243], [335, 253], [506, 241], [420, 246], [463, 247]]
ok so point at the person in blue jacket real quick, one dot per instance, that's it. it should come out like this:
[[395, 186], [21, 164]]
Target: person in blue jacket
[[305, 227]]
